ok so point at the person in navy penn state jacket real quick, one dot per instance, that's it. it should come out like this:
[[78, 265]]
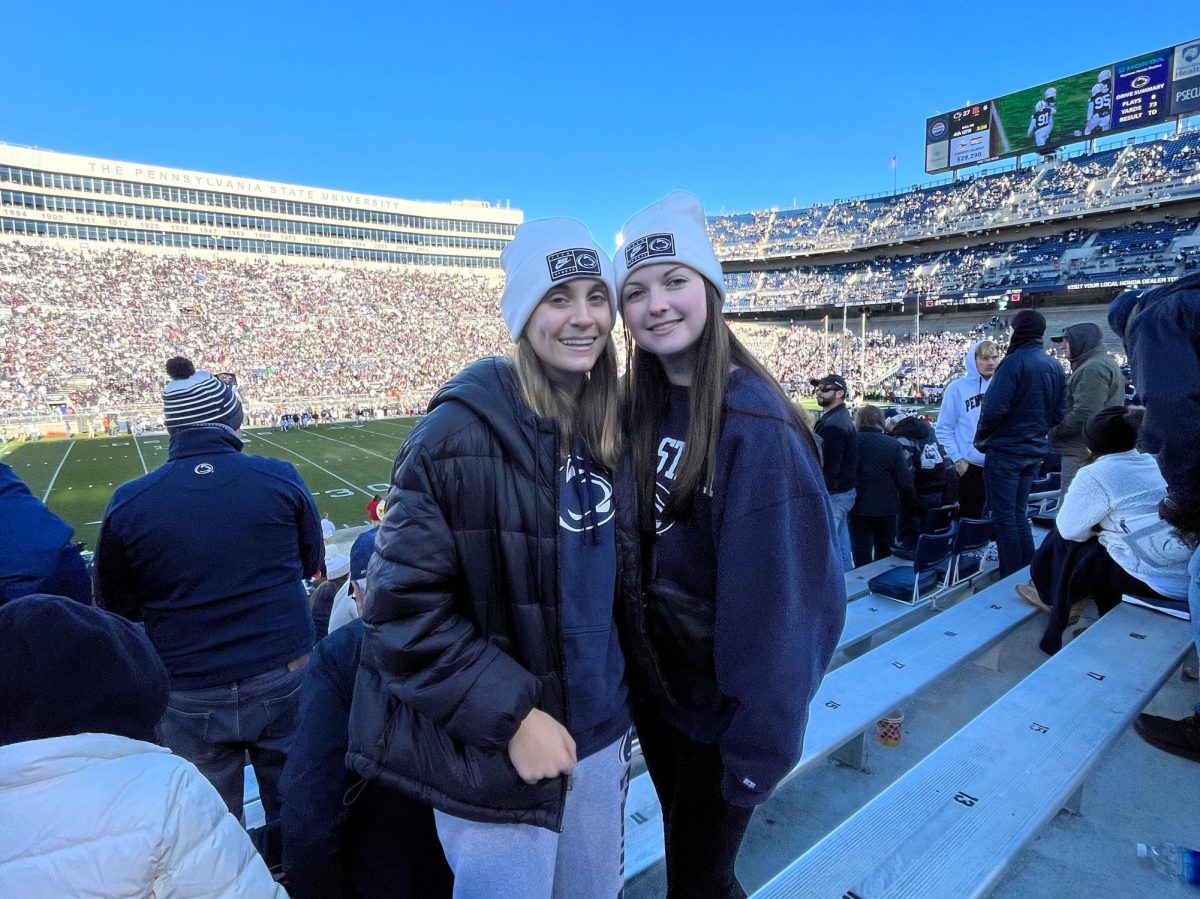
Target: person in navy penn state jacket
[[744, 597], [1026, 398], [210, 551]]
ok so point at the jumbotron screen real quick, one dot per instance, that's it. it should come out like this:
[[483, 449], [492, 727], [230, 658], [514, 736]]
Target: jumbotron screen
[[1121, 96]]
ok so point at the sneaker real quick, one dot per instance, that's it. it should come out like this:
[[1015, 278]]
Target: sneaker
[[1029, 593], [1181, 738]]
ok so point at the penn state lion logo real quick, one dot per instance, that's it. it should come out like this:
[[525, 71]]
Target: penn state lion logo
[[574, 485]]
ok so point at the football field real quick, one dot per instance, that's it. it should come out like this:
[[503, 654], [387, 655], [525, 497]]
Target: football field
[[344, 465]]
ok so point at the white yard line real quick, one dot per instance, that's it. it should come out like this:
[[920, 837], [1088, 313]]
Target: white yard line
[[361, 449], [313, 464], [393, 435], [70, 446], [138, 447]]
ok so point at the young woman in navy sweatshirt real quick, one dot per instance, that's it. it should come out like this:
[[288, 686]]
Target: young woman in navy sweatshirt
[[492, 683], [744, 599]]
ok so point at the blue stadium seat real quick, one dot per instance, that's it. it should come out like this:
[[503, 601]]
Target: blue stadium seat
[[908, 583]]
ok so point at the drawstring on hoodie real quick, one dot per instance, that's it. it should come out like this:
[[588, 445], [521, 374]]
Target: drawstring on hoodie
[[590, 532]]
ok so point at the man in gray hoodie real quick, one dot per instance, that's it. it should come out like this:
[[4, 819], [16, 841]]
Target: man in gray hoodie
[[1096, 383]]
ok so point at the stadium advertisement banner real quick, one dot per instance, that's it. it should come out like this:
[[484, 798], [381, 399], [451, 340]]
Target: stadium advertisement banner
[[1134, 93], [1185, 79]]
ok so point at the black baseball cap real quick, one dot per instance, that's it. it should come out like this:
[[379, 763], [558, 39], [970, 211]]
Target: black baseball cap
[[837, 382]]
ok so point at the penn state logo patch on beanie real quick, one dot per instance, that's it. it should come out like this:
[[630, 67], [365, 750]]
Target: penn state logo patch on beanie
[[648, 247], [573, 263]]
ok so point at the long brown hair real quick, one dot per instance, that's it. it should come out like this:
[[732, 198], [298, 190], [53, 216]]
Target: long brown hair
[[648, 392], [591, 416]]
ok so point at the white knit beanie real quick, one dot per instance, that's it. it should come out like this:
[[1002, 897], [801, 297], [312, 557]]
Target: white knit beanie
[[671, 230], [543, 254]]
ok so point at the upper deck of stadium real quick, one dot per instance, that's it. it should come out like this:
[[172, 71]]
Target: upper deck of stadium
[[1091, 223], [107, 202]]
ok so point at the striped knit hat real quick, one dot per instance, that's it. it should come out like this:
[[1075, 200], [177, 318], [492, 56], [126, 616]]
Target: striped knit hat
[[197, 398]]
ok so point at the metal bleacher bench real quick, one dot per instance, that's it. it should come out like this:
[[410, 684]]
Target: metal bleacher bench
[[856, 695], [861, 624], [951, 825]]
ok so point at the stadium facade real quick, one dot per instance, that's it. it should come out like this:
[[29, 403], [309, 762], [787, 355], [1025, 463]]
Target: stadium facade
[[107, 203]]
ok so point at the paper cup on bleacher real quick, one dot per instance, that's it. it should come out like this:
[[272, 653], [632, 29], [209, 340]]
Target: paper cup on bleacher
[[889, 729]]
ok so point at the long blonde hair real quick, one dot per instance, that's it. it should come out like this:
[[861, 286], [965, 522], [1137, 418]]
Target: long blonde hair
[[591, 416]]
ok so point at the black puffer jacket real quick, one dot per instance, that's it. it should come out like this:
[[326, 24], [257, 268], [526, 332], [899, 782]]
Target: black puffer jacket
[[463, 610]]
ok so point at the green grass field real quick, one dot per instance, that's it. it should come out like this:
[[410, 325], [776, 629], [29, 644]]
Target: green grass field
[[343, 465]]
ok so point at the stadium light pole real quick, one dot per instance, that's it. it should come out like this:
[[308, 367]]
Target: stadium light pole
[[920, 299], [825, 342], [842, 344], [862, 353]]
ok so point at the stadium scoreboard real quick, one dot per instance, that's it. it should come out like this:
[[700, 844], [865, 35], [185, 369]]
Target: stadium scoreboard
[[1134, 93]]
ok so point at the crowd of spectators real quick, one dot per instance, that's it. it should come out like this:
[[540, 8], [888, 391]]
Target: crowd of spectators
[[884, 366], [89, 326], [1137, 250], [1109, 178]]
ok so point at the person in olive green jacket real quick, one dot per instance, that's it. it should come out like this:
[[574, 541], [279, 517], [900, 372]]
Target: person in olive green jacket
[[1096, 383]]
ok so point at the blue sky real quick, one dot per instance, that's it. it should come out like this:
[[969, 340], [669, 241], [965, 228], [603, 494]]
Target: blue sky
[[588, 110]]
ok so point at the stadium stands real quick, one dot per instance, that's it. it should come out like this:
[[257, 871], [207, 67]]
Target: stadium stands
[[1110, 179], [1105, 182], [106, 321]]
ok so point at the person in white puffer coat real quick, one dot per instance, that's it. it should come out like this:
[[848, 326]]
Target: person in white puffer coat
[[89, 807]]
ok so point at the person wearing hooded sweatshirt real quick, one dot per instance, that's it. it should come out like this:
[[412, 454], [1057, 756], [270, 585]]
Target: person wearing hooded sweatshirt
[[1095, 383], [1161, 330], [210, 551], [1027, 397], [492, 683], [958, 420], [744, 595], [90, 805]]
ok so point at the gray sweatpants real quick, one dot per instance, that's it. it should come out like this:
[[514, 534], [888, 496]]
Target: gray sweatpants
[[521, 861]]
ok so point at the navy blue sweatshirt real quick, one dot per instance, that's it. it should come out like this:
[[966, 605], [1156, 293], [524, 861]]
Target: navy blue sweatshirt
[[597, 693], [762, 547], [209, 550]]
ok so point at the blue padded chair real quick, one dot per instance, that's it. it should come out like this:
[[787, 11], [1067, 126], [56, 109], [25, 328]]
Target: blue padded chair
[[973, 535], [909, 582]]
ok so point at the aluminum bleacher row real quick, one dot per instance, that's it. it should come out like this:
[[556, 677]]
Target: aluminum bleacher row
[[952, 823]]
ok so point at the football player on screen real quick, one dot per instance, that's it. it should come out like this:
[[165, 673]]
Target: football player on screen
[[1100, 104], [1041, 123]]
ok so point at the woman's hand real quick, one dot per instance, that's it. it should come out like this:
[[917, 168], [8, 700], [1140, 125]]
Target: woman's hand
[[961, 466], [541, 748]]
